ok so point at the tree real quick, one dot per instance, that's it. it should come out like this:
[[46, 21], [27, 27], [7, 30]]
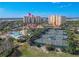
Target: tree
[[50, 47], [71, 42]]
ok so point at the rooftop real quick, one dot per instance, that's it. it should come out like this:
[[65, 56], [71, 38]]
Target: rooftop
[[54, 37]]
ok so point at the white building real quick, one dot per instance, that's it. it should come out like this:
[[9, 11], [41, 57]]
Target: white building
[[30, 19]]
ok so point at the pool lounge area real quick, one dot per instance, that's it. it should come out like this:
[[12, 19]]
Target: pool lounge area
[[16, 35]]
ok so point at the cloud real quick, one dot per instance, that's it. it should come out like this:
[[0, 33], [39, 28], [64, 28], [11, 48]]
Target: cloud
[[61, 5], [64, 6], [56, 2], [1, 10]]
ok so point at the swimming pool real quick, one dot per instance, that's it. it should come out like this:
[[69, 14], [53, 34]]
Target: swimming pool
[[15, 34]]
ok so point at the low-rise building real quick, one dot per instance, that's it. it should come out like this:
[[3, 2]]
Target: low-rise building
[[53, 37]]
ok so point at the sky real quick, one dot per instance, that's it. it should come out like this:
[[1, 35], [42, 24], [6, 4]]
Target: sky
[[20, 9]]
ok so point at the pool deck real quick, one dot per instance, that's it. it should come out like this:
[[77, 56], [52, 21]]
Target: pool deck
[[15, 35]]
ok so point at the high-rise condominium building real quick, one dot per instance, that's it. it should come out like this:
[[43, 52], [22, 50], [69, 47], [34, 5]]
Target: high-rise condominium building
[[30, 19], [56, 20]]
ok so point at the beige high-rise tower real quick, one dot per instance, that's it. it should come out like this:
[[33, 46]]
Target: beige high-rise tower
[[56, 20]]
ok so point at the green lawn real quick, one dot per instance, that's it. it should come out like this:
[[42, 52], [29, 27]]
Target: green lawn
[[77, 36], [30, 52]]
